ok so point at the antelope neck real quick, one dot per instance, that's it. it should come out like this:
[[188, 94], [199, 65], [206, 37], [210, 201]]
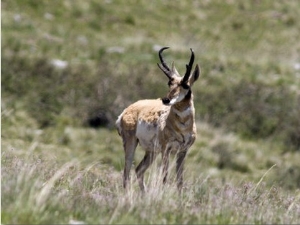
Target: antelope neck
[[182, 108]]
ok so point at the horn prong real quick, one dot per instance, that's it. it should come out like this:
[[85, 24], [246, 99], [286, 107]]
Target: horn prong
[[189, 67]]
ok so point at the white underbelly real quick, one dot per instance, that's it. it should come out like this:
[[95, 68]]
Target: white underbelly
[[147, 135]]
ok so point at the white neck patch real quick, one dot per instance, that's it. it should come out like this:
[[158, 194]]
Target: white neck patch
[[183, 113], [179, 98]]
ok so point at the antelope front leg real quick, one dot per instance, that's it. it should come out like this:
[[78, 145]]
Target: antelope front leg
[[179, 168], [165, 162]]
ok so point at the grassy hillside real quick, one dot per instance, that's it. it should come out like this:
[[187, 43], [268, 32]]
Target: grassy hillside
[[69, 67]]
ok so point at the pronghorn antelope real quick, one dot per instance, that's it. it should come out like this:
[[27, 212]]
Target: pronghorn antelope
[[163, 126]]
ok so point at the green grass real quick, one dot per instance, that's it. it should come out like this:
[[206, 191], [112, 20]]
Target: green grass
[[74, 174], [57, 168], [94, 195]]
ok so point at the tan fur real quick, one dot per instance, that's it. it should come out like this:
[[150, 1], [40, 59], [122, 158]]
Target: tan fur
[[146, 110], [160, 126]]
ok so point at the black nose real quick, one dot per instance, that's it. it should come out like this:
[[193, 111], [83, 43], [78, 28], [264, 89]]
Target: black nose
[[166, 101]]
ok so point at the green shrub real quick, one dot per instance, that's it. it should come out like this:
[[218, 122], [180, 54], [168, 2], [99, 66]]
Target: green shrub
[[253, 109], [88, 96]]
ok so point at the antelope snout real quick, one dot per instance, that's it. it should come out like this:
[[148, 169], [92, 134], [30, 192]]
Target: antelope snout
[[166, 101]]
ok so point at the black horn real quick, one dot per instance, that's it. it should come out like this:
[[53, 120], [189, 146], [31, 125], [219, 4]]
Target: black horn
[[189, 68], [163, 66]]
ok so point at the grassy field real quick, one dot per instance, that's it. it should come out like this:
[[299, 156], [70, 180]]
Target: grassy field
[[68, 68]]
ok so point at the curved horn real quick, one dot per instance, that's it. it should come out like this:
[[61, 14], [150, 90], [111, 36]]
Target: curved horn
[[163, 66], [189, 68]]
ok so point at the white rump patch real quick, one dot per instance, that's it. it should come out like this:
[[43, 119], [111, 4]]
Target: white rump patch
[[118, 123]]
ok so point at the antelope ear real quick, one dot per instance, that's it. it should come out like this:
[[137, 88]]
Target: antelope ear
[[174, 70], [195, 75]]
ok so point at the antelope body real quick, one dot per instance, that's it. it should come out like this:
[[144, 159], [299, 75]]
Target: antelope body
[[163, 126]]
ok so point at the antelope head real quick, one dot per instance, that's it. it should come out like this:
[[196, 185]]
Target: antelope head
[[179, 87]]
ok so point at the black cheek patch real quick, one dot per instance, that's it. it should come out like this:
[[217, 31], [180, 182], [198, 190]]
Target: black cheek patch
[[185, 85], [188, 95]]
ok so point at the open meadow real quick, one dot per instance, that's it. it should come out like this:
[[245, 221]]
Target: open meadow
[[69, 68]]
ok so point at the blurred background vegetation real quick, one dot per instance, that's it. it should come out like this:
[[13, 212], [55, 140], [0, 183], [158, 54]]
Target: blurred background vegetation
[[82, 62], [69, 68]]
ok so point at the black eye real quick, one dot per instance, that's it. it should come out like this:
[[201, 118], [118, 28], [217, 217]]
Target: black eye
[[170, 81], [185, 85]]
